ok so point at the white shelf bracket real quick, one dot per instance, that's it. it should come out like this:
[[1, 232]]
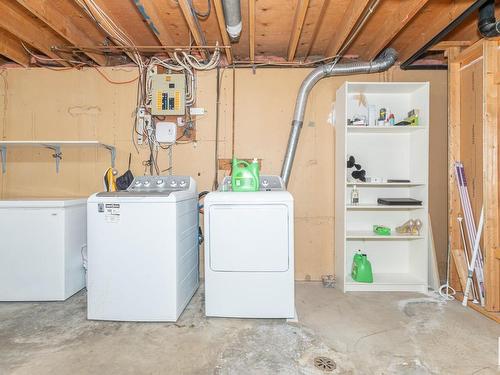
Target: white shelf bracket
[[3, 154]]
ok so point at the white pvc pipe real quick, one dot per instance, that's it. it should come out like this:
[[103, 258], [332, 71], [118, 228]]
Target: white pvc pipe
[[473, 260]]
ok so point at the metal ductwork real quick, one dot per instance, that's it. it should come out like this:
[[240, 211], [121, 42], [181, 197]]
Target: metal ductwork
[[382, 63], [232, 15], [487, 24]]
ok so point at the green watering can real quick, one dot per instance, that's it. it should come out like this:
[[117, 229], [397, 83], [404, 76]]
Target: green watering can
[[361, 268]]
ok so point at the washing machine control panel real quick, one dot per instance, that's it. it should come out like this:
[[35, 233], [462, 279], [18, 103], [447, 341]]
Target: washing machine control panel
[[159, 183], [267, 183]]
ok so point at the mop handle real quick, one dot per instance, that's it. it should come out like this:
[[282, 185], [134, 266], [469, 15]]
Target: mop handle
[[474, 257]]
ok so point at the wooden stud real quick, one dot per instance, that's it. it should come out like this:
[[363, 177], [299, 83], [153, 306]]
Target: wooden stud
[[193, 25], [12, 49], [298, 24], [47, 12], [491, 175], [151, 15], [340, 33], [391, 28], [453, 155], [28, 29], [222, 27], [251, 27]]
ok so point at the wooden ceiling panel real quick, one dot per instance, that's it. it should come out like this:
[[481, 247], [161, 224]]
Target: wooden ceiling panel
[[312, 24], [273, 25], [209, 26], [128, 18], [241, 49], [421, 29], [11, 48], [329, 24]]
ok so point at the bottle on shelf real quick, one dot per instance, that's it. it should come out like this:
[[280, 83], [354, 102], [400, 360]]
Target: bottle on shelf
[[354, 196]]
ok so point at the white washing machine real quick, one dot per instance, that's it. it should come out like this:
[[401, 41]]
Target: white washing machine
[[143, 250], [249, 252]]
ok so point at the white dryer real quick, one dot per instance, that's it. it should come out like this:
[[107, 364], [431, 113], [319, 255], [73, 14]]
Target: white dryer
[[143, 250], [249, 252]]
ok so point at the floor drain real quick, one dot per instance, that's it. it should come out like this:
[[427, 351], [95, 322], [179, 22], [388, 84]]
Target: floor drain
[[325, 364]]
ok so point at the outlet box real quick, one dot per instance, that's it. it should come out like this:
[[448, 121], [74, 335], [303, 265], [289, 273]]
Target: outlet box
[[166, 132]]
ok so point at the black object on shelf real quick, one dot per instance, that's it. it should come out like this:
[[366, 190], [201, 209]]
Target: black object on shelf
[[399, 202]]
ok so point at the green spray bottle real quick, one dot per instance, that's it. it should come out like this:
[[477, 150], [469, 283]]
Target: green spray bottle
[[245, 176], [361, 268]]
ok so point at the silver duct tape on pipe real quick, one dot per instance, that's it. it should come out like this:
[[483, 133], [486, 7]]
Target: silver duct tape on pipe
[[384, 62], [232, 15]]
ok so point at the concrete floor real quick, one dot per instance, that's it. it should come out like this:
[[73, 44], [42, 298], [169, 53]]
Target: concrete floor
[[380, 333]]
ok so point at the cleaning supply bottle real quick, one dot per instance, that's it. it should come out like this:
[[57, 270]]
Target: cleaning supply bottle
[[245, 176], [354, 196], [361, 268]]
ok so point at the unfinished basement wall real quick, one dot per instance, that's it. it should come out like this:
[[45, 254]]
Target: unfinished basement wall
[[40, 104]]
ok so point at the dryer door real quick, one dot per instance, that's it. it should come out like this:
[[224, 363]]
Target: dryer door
[[249, 237]]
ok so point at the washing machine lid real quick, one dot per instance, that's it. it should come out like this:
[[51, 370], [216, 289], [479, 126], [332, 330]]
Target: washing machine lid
[[249, 237]]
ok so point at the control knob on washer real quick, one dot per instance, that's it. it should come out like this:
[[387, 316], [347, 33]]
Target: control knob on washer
[[182, 184], [173, 183], [146, 183], [159, 182], [265, 183]]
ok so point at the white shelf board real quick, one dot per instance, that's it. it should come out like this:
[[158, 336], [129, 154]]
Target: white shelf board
[[54, 146], [381, 207], [383, 129], [386, 282], [384, 184], [369, 235]]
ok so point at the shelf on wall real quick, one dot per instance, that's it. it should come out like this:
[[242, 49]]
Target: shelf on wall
[[381, 207], [385, 184], [55, 146], [383, 129], [369, 235]]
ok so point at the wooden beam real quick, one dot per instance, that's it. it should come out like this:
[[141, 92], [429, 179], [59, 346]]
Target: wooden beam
[[392, 27], [443, 46], [298, 24], [426, 25], [26, 28], [151, 15], [46, 11], [251, 27], [349, 20], [12, 49], [222, 28], [193, 24], [491, 185]]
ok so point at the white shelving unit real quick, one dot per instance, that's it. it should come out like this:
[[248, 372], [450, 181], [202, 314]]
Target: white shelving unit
[[399, 262], [55, 146]]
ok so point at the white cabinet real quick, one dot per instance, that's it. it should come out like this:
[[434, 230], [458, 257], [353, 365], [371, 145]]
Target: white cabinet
[[399, 262]]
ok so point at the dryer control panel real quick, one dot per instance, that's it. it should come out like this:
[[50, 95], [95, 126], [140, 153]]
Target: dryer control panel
[[267, 183], [159, 183]]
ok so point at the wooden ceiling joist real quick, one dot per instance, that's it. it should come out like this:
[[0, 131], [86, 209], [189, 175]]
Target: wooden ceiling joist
[[389, 30], [23, 26], [193, 24], [298, 24], [12, 49], [222, 27], [422, 30], [61, 24], [251, 29], [350, 19], [151, 15]]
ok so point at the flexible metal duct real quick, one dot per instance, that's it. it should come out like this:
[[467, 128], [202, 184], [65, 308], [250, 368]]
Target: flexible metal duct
[[232, 14], [488, 25], [384, 62]]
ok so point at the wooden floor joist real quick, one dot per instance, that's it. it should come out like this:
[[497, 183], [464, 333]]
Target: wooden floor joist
[[11, 48], [193, 25], [251, 27], [222, 27], [298, 24]]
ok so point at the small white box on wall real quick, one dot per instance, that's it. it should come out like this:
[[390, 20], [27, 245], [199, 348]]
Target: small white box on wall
[[166, 132]]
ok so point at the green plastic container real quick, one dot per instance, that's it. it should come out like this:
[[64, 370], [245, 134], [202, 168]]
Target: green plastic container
[[245, 176], [361, 268]]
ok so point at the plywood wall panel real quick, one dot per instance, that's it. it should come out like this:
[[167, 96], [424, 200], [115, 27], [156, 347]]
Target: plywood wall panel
[[82, 105]]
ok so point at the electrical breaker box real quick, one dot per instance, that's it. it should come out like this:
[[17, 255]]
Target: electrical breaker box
[[169, 94]]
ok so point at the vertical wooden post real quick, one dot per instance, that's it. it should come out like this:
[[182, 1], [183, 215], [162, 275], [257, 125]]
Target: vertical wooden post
[[453, 155], [491, 174]]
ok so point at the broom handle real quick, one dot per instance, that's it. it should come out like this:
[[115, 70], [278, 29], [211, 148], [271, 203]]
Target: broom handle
[[474, 257]]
